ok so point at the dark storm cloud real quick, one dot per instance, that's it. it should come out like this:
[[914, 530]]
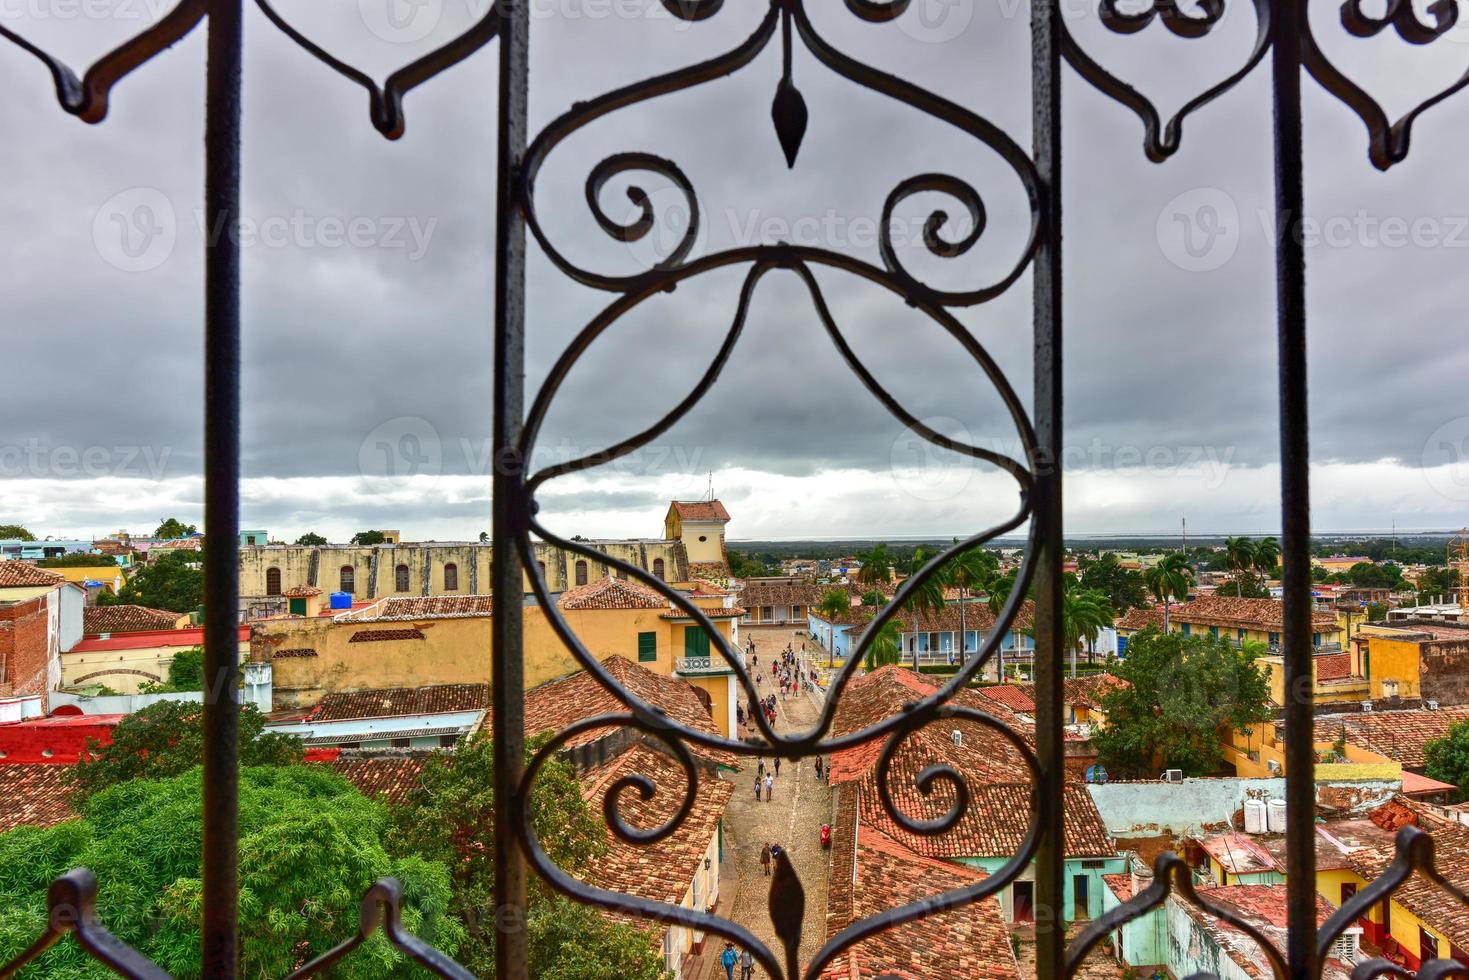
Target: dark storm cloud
[[345, 340]]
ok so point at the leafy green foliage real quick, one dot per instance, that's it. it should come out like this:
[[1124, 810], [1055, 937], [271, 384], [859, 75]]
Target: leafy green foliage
[[877, 566], [173, 581], [310, 844], [185, 673], [835, 602], [742, 565], [1447, 759], [1123, 587], [311, 539], [1182, 693], [15, 532], [166, 739], [1170, 579], [369, 537], [78, 560], [450, 818], [885, 648], [174, 528]]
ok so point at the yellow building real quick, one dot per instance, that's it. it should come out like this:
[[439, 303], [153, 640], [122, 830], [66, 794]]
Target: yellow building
[[430, 640], [1335, 564], [125, 661], [110, 576], [1415, 659], [699, 526]]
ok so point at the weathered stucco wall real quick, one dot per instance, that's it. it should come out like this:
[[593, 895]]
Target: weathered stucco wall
[[1151, 809], [1445, 671]]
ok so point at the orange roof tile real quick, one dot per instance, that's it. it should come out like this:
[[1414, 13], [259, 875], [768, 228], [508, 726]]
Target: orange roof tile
[[22, 574], [701, 510], [127, 619], [35, 795], [397, 701], [1234, 612], [612, 593]]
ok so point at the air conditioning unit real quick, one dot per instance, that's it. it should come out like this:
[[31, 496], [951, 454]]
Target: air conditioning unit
[[1366, 705], [1173, 775], [958, 737], [1432, 705], [1273, 766]]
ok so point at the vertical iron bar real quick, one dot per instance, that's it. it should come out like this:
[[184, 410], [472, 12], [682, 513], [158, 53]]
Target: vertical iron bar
[[509, 516], [1050, 947], [1288, 27], [222, 490]]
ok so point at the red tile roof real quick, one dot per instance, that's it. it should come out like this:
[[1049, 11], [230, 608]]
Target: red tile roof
[[612, 593], [708, 569], [1399, 735], [781, 594], [389, 777], [1418, 895], [1233, 612], [410, 608], [36, 795], [301, 592], [871, 873], [1333, 666], [398, 701], [1012, 696], [701, 510], [556, 704], [1263, 906], [665, 871], [22, 574], [977, 616], [127, 619], [1141, 617]]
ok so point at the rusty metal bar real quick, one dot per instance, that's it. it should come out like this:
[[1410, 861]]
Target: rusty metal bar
[[220, 940], [1046, 41], [1288, 28], [508, 492]]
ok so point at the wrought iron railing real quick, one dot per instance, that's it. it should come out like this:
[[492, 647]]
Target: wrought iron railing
[[1283, 35]]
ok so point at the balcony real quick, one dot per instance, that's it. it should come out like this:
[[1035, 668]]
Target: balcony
[[702, 665]]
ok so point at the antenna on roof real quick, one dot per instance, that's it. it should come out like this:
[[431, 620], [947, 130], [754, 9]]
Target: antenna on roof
[[711, 486]]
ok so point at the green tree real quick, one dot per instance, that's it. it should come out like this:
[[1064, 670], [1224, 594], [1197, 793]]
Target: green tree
[[877, 566], [1437, 584], [449, 820], [1239, 555], [1124, 587], [369, 537], [928, 597], [873, 598], [885, 647], [174, 528], [310, 845], [1084, 614], [834, 603], [1182, 695], [173, 581], [970, 571], [78, 560], [1447, 759], [311, 539], [1170, 579], [1248, 587], [167, 738], [12, 532], [185, 673], [1267, 556]]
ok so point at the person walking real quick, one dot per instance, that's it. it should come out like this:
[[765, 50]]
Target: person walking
[[769, 786], [747, 966], [757, 787], [777, 765], [728, 959], [765, 859], [760, 769], [818, 768]]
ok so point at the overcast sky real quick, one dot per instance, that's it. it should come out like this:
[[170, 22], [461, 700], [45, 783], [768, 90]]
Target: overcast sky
[[368, 272]]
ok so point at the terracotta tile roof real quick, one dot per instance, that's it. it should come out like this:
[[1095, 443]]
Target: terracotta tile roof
[[1141, 617], [22, 574], [703, 587], [612, 593], [781, 594], [1238, 854], [700, 510], [1233, 612], [383, 636], [870, 873], [36, 795], [389, 777], [556, 704], [1121, 885], [1084, 691], [977, 616], [301, 592], [1333, 666], [1013, 696], [410, 608], [725, 612], [708, 569], [1399, 735], [1263, 906], [396, 701], [665, 871], [127, 619]]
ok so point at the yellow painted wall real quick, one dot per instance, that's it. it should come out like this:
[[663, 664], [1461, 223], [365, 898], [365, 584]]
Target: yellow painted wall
[[151, 660], [112, 576], [1396, 660]]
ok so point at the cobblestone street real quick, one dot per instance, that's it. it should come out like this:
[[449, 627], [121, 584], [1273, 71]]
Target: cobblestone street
[[799, 806]]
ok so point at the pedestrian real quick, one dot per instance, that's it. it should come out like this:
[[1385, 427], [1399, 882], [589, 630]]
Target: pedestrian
[[747, 966], [728, 959], [757, 788], [818, 768], [769, 786], [765, 859], [760, 771], [777, 765]]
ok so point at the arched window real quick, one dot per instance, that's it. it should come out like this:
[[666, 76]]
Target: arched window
[[581, 573], [658, 567], [272, 581], [451, 577], [401, 578], [349, 579]]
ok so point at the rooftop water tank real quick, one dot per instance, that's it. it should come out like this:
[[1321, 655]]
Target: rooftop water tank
[[341, 600], [1255, 820], [1275, 816]]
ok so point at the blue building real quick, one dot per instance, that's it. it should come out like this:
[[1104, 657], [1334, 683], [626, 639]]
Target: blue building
[[14, 549]]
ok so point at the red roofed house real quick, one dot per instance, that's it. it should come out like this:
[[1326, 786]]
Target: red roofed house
[[40, 618], [699, 524]]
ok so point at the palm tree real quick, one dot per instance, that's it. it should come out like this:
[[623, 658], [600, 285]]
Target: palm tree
[[884, 647], [969, 570], [1267, 556], [1084, 614], [877, 567], [999, 593], [833, 604], [1239, 554], [1169, 579], [927, 597]]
